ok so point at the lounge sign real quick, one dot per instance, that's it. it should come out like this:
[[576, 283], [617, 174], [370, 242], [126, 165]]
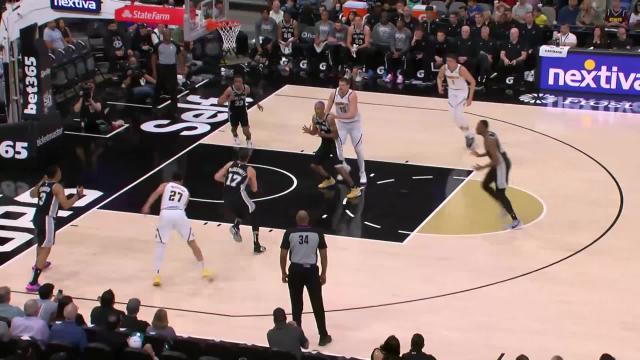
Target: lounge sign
[[85, 6]]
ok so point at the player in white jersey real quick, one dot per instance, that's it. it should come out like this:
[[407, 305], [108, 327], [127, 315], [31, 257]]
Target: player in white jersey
[[461, 86], [349, 121], [175, 198]]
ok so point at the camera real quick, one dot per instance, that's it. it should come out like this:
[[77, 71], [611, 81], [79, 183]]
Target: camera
[[86, 91]]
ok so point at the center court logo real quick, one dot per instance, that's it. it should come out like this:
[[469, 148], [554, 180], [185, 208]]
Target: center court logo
[[538, 98], [595, 77]]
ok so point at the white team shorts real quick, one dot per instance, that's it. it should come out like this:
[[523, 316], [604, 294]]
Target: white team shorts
[[350, 129], [171, 220], [457, 101]]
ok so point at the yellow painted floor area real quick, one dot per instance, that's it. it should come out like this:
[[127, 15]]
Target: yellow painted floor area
[[472, 211]]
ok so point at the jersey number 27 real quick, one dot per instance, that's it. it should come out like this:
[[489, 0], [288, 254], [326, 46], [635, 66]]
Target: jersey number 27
[[173, 194]]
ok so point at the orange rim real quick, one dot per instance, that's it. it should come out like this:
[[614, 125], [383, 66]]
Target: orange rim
[[217, 24]]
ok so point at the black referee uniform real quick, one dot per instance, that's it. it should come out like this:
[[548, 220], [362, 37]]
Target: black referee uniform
[[302, 244]]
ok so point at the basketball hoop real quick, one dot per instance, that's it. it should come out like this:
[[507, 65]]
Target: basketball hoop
[[228, 30]]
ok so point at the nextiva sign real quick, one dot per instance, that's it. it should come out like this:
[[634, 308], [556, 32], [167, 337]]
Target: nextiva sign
[[591, 72], [88, 6]]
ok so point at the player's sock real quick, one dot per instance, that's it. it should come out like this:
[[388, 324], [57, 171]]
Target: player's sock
[[159, 256], [201, 263], [360, 155], [236, 224], [36, 276], [468, 133], [256, 241]]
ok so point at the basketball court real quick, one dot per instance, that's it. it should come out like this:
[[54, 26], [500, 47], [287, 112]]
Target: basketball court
[[423, 250]]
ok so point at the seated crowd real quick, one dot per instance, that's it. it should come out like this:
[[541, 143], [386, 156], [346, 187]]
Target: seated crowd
[[489, 39], [50, 321]]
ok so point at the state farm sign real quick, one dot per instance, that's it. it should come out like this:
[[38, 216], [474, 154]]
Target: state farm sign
[[150, 14]]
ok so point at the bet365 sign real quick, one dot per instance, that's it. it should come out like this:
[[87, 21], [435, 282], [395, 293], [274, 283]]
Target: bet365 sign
[[87, 6]]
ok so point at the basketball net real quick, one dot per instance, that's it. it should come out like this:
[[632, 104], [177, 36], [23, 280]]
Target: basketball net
[[228, 30]]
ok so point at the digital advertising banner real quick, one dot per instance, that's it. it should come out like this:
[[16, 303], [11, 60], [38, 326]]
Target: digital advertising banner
[[590, 72]]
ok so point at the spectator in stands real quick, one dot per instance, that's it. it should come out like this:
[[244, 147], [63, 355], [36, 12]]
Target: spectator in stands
[[476, 25], [442, 47], [467, 50], [160, 326], [291, 8], [569, 14], [276, 13], [565, 37], [68, 331], [53, 37], [532, 37], [588, 15], [114, 47], [308, 16], [109, 336], [142, 45], [463, 16], [7, 310], [390, 350], [598, 39], [420, 57], [99, 314], [539, 17], [430, 23], [381, 40], [266, 32], [62, 304], [504, 25], [410, 22], [286, 336], [31, 325], [66, 33], [47, 306], [634, 18], [616, 15], [520, 10], [473, 8], [396, 58], [140, 86], [453, 29], [416, 353], [130, 322], [488, 53], [358, 42], [512, 57], [397, 12], [622, 41], [374, 15], [338, 46]]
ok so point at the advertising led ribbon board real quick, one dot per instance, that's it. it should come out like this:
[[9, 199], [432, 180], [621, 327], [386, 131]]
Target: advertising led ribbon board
[[86, 6], [591, 72], [150, 15]]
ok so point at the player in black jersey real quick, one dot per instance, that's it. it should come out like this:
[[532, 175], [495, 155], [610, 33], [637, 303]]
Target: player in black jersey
[[50, 195], [235, 176], [288, 35], [323, 124], [498, 173], [236, 96], [358, 37]]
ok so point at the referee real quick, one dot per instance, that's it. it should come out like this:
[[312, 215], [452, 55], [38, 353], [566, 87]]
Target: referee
[[303, 244], [166, 60]]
